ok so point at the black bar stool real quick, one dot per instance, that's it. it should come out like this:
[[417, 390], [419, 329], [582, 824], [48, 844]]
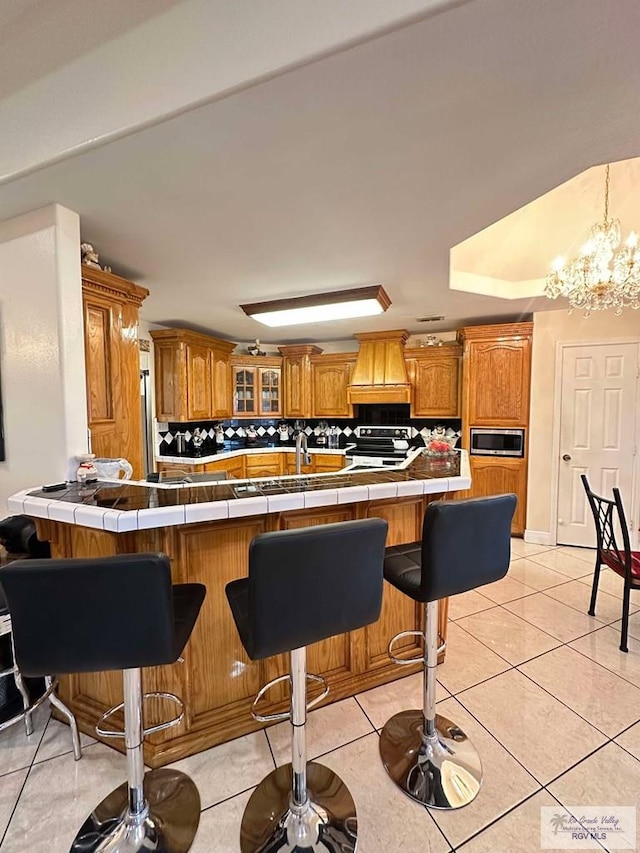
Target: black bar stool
[[28, 704], [465, 544], [304, 586], [104, 614]]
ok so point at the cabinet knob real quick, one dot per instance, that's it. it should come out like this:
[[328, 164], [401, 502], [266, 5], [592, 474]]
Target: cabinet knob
[[566, 458]]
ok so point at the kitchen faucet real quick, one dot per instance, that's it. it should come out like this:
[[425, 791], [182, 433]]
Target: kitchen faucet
[[303, 457]]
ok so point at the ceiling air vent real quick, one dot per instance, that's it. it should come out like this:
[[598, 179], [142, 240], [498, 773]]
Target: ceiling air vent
[[434, 318]]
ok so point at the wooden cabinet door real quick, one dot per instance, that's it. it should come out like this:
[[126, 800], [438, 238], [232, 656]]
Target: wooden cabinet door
[[326, 463], [170, 381], [222, 405], [500, 477], [199, 405], [435, 388], [245, 401], [102, 365], [270, 385], [236, 468], [296, 384], [498, 382], [264, 464], [330, 383]]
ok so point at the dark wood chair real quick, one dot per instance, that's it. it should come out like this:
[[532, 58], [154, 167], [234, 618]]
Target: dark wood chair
[[623, 561]]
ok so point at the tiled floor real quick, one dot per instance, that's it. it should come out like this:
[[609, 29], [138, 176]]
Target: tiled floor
[[541, 687]]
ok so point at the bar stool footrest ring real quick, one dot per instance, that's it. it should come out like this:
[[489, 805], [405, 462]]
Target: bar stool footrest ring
[[408, 661], [286, 715], [159, 727]]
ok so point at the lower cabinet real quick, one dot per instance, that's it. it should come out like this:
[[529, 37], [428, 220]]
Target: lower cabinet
[[263, 465], [328, 463], [490, 476], [175, 468], [234, 467]]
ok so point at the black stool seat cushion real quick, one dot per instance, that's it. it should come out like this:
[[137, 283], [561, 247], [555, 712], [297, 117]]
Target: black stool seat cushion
[[91, 615], [4, 607], [308, 584], [465, 544]]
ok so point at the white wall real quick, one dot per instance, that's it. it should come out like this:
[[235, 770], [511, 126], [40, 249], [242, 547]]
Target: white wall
[[41, 349], [550, 328]]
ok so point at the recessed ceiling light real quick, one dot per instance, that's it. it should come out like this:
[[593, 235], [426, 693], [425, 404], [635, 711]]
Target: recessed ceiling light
[[321, 307]]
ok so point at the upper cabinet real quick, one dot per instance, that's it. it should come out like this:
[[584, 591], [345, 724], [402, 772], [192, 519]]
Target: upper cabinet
[[257, 386], [330, 376], [111, 305], [434, 373], [296, 369], [192, 376], [497, 369]]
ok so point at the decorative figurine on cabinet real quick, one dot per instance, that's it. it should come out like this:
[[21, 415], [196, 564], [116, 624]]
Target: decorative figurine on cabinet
[[254, 349]]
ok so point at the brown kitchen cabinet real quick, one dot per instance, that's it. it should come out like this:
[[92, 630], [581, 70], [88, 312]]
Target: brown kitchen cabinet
[[434, 373], [497, 372], [264, 464], [296, 378], [330, 375], [179, 468], [233, 467], [257, 386], [328, 463], [496, 476], [111, 305], [192, 376], [290, 465]]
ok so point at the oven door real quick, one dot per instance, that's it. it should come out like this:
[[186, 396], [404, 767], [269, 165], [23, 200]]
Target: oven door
[[497, 442]]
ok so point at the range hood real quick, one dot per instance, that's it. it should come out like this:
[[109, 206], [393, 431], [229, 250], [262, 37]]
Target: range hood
[[380, 373]]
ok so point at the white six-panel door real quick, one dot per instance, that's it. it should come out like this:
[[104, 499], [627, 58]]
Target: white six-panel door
[[597, 432]]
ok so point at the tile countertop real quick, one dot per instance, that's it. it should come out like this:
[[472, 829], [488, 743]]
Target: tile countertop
[[243, 451], [120, 506]]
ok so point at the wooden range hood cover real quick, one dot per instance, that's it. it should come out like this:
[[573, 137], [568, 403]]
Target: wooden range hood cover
[[380, 373]]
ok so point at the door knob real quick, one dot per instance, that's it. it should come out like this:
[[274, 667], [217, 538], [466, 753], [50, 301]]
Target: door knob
[[566, 458]]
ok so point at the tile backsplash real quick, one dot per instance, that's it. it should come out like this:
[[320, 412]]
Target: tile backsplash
[[235, 430]]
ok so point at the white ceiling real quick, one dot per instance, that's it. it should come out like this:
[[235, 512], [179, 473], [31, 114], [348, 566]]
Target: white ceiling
[[366, 166]]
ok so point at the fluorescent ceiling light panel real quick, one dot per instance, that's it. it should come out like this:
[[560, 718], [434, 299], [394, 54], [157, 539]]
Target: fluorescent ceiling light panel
[[322, 307]]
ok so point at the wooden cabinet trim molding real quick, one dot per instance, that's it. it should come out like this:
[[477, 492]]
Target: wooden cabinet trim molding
[[497, 332], [299, 349], [190, 337], [112, 286]]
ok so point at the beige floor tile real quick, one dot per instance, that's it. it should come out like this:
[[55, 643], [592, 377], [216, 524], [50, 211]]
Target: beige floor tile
[[228, 769], [533, 575], [613, 584], [630, 740], [507, 589], [16, 749], [578, 595], [387, 819], [586, 554], [327, 729], [604, 699], [520, 548], [467, 603], [467, 661], [555, 618], [517, 832], [58, 796], [603, 646], [383, 702], [57, 741], [219, 830], [607, 778], [544, 735], [507, 635], [505, 782], [10, 787], [566, 564]]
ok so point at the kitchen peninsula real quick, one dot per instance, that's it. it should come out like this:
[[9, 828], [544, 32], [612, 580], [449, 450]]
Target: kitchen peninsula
[[205, 530]]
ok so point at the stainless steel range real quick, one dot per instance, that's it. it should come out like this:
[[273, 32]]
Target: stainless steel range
[[378, 447]]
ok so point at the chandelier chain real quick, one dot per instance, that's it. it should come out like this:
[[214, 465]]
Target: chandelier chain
[[606, 197]]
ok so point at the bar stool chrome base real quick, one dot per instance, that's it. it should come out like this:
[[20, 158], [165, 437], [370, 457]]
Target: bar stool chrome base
[[326, 824], [167, 825], [443, 771]]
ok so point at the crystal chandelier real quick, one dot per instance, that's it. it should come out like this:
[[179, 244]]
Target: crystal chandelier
[[605, 274]]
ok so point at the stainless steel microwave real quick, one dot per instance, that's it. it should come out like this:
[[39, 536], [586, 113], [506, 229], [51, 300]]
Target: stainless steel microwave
[[497, 442]]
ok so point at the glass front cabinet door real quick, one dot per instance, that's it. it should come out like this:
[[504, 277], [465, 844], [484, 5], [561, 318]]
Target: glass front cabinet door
[[244, 391], [270, 393]]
